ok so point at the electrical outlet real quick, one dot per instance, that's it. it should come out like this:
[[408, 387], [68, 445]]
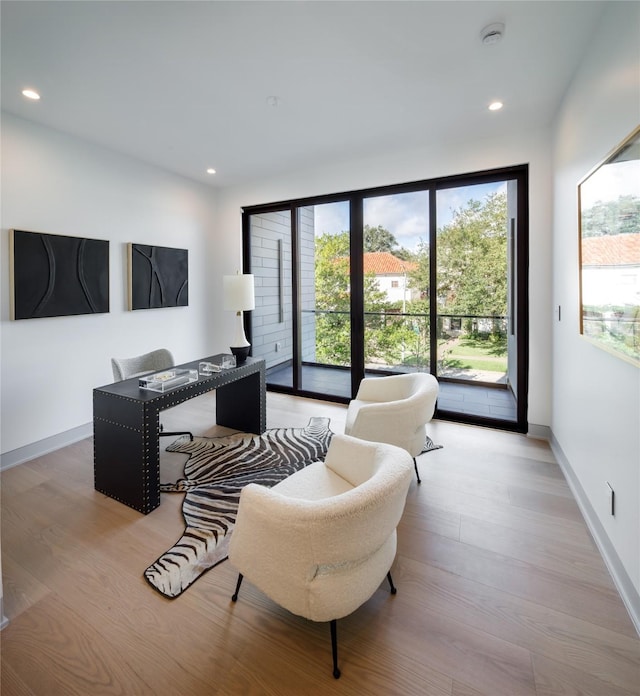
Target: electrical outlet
[[278, 346], [612, 499]]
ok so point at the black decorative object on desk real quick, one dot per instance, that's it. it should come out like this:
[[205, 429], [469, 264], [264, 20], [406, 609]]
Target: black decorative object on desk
[[241, 353]]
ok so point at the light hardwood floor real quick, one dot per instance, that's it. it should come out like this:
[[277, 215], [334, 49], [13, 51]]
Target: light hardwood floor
[[501, 591]]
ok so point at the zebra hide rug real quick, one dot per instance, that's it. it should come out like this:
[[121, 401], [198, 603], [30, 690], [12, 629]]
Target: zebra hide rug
[[217, 470]]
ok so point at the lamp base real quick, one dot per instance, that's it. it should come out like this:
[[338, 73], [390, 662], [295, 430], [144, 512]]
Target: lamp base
[[241, 353]]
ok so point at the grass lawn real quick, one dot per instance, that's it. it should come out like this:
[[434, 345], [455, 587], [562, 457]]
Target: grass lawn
[[472, 353]]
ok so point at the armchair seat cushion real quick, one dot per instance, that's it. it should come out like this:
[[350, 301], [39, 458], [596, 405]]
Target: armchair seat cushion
[[315, 482]]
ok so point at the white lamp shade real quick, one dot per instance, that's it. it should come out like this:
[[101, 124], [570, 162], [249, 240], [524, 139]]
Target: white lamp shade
[[239, 293]]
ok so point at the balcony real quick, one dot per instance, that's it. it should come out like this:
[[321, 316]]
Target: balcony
[[471, 367], [469, 347]]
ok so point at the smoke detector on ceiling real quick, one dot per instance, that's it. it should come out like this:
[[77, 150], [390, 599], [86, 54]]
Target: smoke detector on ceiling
[[492, 33]]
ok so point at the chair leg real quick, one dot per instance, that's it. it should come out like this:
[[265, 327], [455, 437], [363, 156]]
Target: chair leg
[[175, 434], [415, 464], [234, 596], [334, 648], [391, 585]]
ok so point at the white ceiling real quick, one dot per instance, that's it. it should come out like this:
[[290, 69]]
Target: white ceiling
[[184, 85]]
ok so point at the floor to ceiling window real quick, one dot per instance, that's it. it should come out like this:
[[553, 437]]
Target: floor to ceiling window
[[428, 276]]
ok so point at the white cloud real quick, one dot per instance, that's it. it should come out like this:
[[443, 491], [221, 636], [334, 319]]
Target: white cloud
[[405, 215]]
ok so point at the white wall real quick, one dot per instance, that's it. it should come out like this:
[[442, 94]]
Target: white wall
[[596, 396], [54, 183], [434, 160]]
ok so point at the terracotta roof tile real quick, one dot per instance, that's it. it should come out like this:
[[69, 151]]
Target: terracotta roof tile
[[385, 263], [611, 250]]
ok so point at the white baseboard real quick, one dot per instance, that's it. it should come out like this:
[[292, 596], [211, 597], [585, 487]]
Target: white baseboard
[[4, 621], [539, 432], [628, 592], [42, 447]]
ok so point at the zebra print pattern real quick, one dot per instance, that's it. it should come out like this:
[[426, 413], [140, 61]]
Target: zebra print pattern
[[215, 474]]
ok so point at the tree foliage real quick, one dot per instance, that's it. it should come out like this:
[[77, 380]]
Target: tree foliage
[[620, 216], [333, 299], [472, 259], [378, 239]]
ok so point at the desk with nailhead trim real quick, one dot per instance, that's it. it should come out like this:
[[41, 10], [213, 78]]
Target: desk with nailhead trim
[[126, 422]]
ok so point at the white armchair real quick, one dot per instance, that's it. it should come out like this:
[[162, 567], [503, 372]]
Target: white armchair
[[394, 410], [320, 542]]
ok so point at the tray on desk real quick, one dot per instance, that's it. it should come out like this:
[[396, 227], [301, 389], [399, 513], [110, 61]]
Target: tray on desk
[[166, 380]]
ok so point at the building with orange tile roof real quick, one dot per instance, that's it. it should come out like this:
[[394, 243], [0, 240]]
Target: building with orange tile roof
[[391, 274]]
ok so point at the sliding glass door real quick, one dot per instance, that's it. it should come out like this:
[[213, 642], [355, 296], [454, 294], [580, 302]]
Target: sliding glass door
[[301, 326], [474, 310], [429, 276]]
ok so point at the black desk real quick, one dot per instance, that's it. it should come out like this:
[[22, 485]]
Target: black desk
[[126, 421]]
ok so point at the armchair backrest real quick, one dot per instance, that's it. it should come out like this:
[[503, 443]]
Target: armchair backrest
[[124, 368], [413, 385], [394, 409], [318, 558], [356, 461]]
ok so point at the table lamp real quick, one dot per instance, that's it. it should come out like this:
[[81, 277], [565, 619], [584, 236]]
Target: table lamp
[[239, 297]]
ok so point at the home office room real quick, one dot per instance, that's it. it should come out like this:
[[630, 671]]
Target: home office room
[[319, 348]]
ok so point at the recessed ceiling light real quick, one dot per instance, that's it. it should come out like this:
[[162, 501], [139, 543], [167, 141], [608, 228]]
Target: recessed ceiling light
[[211, 170], [30, 94], [274, 102], [495, 106]]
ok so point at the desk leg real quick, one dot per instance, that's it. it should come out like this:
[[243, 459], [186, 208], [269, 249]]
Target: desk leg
[[126, 460], [242, 404]]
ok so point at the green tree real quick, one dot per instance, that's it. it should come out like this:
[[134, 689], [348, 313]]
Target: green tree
[[620, 216], [472, 259], [420, 277], [333, 299], [419, 281], [378, 239]]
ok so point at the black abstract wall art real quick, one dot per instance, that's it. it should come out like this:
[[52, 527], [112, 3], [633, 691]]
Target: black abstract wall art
[[158, 277], [55, 275]]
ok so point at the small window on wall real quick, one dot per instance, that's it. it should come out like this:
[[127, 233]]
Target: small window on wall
[[395, 284]]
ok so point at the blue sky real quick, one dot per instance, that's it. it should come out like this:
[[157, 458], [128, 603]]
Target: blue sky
[[405, 215]]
